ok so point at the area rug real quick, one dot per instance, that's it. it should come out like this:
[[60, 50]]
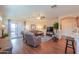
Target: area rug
[[45, 38]]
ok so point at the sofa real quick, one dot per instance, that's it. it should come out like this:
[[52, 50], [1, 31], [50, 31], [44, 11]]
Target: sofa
[[31, 39]]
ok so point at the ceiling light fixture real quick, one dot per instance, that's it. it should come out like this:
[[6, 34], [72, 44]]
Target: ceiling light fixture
[[38, 18], [41, 17]]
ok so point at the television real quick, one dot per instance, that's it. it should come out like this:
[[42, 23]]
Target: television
[[49, 29]]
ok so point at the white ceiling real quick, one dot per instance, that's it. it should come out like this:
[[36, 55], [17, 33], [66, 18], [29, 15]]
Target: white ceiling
[[35, 10]]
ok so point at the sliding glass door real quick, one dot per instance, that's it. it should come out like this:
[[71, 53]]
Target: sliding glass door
[[15, 29]]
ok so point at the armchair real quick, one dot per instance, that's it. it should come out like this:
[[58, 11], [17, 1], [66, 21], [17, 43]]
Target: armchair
[[32, 40]]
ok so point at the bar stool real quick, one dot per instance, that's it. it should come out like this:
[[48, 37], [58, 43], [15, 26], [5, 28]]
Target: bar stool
[[69, 44]]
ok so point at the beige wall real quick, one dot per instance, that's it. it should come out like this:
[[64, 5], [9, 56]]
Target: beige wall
[[40, 23], [0, 33], [0, 30]]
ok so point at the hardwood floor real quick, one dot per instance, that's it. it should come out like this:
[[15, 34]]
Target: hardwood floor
[[49, 47]]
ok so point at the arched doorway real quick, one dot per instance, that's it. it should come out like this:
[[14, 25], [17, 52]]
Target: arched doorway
[[68, 26]]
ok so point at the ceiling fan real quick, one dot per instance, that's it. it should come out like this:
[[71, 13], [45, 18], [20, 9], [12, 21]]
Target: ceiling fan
[[53, 6]]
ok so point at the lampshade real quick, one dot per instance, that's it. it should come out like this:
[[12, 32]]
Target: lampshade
[[3, 26]]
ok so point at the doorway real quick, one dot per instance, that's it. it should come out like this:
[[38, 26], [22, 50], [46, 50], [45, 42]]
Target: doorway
[[13, 33], [68, 25]]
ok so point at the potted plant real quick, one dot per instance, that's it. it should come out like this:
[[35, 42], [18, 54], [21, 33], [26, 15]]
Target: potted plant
[[56, 27], [5, 35]]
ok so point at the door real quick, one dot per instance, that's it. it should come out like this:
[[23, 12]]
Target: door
[[15, 29]]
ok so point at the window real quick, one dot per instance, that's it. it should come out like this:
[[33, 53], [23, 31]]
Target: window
[[0, 18]]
